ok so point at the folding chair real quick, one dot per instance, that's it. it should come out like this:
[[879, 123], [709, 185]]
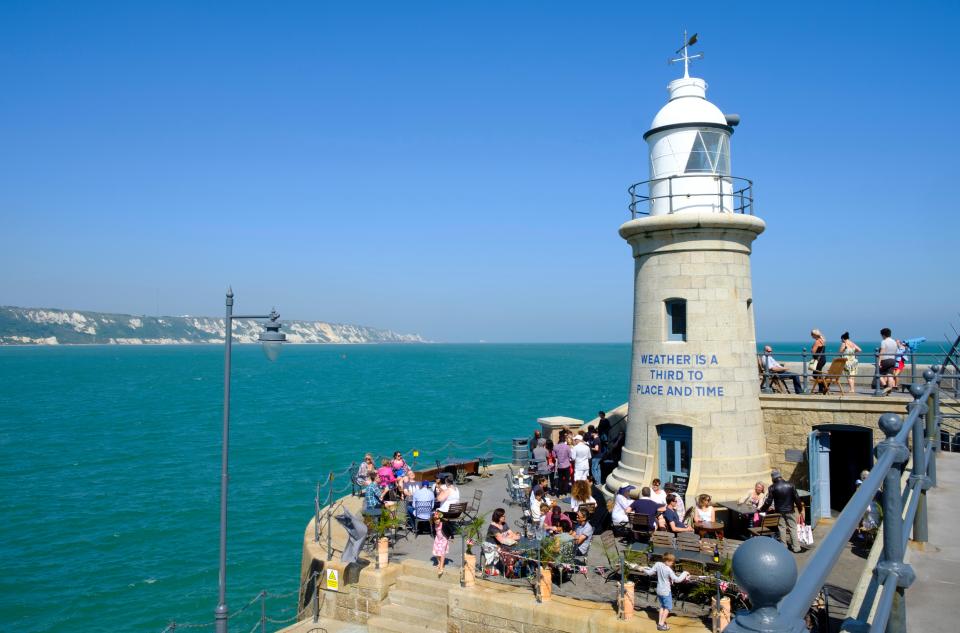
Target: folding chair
[[474, 507], [640, 526], [831, 376], [421, 509], [663, 539], [768, 526]]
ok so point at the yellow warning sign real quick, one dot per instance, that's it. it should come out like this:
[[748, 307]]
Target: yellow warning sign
[[333, 580]]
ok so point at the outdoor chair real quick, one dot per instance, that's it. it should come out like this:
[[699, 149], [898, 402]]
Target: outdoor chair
[[461, 475], [421, 509], [455, 512], [830, 377], [609, 543], [402, 528], [663, 539], [729, 547], [640, 526], [474, 507], [768, 526], [685, 545], [538, 467], [588, 509], [776, 382]]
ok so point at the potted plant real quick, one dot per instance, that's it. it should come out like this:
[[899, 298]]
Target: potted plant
[[386, 522], [549, 553], [471, 532]]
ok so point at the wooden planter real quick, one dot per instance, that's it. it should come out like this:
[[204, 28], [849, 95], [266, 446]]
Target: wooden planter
[[546, 583], [469, 570], [383, 552]]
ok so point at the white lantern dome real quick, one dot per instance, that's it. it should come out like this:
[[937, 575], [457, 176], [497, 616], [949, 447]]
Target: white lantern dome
[[688, 104]]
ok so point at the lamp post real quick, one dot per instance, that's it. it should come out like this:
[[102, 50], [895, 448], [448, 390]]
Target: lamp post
[[271, 339]]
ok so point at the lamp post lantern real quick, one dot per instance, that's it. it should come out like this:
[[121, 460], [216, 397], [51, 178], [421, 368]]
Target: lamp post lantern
[[271, 338]]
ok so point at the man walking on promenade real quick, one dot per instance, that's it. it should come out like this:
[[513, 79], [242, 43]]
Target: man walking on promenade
[[580, 453], [783, 497]]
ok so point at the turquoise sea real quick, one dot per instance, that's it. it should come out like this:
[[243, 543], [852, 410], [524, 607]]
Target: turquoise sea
[[110, 457], [110, 460]]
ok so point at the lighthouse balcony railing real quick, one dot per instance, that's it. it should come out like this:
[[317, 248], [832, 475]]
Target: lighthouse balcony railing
[[729, 194]]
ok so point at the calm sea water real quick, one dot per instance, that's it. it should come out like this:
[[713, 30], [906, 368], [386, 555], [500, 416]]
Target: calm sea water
[[109, 460], [110, 457]]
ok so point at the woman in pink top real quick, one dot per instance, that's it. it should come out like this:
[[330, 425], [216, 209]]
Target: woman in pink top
[[385, 473]]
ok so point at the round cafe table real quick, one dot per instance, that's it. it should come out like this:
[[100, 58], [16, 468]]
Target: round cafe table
[[711, 528]]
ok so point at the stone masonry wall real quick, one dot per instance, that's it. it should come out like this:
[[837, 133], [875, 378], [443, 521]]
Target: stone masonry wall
[[788, 421]]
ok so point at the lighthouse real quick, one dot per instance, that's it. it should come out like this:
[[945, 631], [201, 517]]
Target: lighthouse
[[694, 408]]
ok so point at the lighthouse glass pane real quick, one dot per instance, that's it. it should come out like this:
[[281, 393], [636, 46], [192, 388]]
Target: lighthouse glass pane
[[710, 154], [699, 160], [676, 320]]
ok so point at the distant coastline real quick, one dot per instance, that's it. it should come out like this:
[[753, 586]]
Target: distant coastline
[[52, 326]]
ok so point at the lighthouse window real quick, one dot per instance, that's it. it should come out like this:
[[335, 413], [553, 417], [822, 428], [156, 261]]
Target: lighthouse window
[[710, 154], [676, 319]]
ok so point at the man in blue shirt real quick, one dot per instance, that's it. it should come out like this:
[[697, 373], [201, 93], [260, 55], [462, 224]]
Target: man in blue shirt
[[424, 499], [673, 520], [646, 505], [372, 494]]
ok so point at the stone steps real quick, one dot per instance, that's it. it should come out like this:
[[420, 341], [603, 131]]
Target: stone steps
[[417, 602]]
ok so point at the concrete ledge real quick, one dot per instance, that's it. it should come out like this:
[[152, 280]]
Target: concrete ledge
[[496, 608]]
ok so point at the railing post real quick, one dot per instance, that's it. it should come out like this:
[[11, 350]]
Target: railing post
[[623, 577], [767, 572], [877, 389], [891, 562], [316, 597], [803, 366], [329, 511], [263, 611], [918, 478], [316, 517], [933, 423]]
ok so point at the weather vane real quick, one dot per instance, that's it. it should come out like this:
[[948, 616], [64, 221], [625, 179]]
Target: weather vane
[[686, 58]]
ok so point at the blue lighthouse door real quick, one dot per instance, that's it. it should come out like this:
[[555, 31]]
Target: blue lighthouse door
[[676, 446], [818, 454]]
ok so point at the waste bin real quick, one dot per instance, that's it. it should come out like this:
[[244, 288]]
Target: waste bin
[[521, 451]]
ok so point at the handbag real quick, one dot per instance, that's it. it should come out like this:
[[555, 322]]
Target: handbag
[[804, 533], [812, 365]]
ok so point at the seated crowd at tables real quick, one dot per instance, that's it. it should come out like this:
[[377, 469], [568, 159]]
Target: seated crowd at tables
[[395, 481]]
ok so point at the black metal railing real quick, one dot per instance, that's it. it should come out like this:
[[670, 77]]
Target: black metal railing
[[769, 574], [739, 198]]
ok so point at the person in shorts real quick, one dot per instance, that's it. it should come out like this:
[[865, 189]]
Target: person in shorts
[[665, 579], [888, 361]]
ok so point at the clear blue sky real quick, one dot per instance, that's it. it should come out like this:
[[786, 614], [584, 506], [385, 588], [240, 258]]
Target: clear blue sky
[[459, 169]]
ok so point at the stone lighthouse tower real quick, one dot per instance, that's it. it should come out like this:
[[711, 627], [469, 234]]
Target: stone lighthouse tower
[[694, 410]]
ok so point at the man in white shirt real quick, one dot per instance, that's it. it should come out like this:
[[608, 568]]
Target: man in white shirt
[[771, 365], [580, 454], [888, 361]]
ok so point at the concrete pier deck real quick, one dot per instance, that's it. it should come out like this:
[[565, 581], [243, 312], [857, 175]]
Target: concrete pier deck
[[932, 599]]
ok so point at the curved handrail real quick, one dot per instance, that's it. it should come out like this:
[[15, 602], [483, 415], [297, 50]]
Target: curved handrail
[[740, 198]]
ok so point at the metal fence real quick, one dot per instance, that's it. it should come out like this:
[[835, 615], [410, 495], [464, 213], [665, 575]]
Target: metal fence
[[768, 573], [866, 374]]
